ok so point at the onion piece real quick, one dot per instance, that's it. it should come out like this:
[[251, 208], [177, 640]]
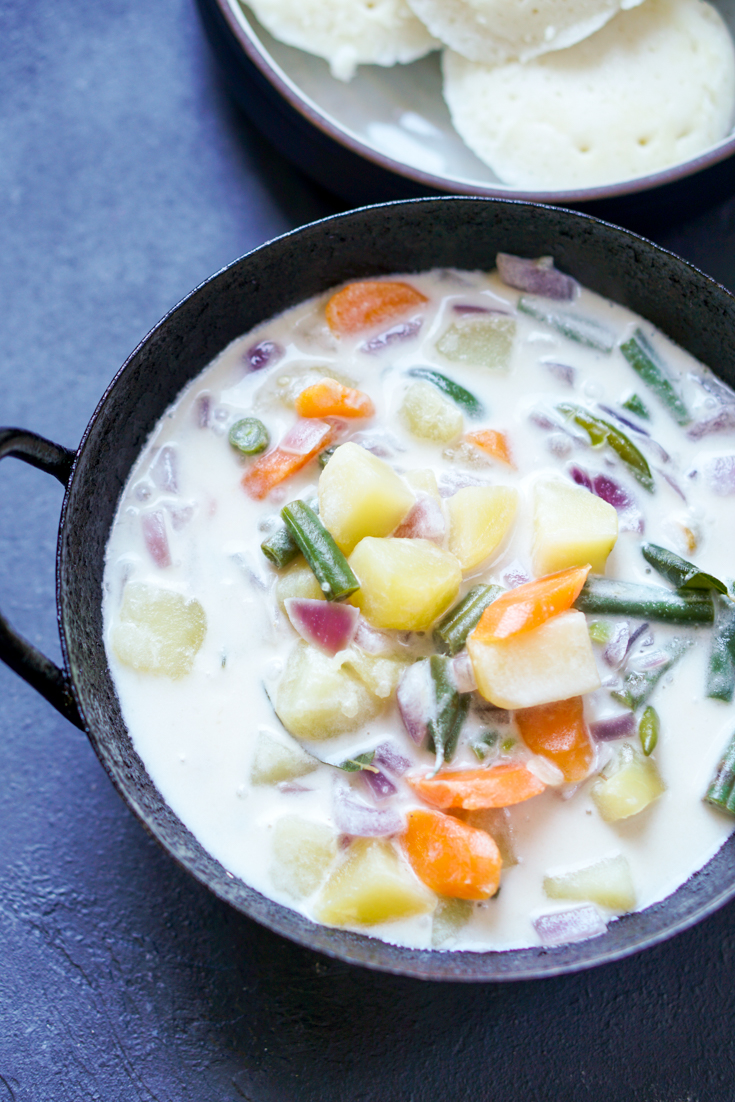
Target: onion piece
[[722, 421], [624, 420], [515, 575], [636, 636], [415, 699], [457, 480], [606, 488], [381, 786], [562, 927], [563, 373], [324, 624], [471, 308], [402, 331], [163, 470], [201, 410], [620, 726], [720, 474], [354, 817], [156, 540], [538, 277], [463, 673], [617, 647], [391, 759], [305, 436], [425, 521], [371, 640], [263, 353]]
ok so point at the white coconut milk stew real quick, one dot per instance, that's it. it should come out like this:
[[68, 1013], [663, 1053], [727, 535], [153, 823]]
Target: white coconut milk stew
[[417, 603]]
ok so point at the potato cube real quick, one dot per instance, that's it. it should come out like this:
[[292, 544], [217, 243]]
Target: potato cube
[[428, 415], [303, 850], [607, 882], [449, 918], [482, 341], [380, 673], [572, 527], [158, 631], [551, 662], [298, 581], [629, 784], [404, 583], [318, 697], [480, 518], [423, 480], [373, 884], [360, 495], [279, 759]]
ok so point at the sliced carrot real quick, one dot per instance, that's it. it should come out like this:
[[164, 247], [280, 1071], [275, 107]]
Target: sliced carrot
[[452, 858], [328, 398], [305, 440], [527, 606], [370, 302], [558, 731], [493, 442], [500, 786]]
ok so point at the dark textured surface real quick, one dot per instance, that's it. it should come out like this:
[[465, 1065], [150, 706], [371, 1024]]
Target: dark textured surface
[[126, 179]]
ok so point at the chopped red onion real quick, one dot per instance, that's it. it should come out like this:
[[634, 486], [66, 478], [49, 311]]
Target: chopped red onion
[[292, 787], [562, 372], [542, 420], [723, 421], [490, 713], [382, 444], [163, 470], [631, 518], [463, 674], [470, 308], [391, 759], [673, 484], [263, 353], [624, 420], [415, 699], [617, 647], [457, 480], [562, 927], [582, 478], [720, 473], [652, 661], [381, 786], [515, 575], [180, 517], [201, 410], [620, 726], [538, 277], [403, 331], [325, 624], [370, 640], [636, 636], [425, 521], [156, 540], [305, 436], [353, 816]]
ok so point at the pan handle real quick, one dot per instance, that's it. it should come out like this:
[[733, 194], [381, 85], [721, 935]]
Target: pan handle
[[27, 661]]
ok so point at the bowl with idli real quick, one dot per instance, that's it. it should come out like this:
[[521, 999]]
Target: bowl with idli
[[623, 108]]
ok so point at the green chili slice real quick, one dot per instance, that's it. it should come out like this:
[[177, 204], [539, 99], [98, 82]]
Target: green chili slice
[[639, 684], [461, 397], [602, 432], [648, 730]]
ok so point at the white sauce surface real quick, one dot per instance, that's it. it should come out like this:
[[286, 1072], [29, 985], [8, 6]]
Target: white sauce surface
[[196, 735]]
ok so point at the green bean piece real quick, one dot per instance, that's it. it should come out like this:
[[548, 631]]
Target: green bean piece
[[583, 330], [450, 710], [324, 457], [330, 567], [602, 432], [450, 634], [721, 665], [681, 574], [602, 596], [648, 730], [281, 548], [249, 436], [461, 397], [639, 684], [635, 405], [721, 792], [644, 360]]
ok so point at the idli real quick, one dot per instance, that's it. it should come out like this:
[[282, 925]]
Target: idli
[[654, 87], [347, 33], [495, 31]]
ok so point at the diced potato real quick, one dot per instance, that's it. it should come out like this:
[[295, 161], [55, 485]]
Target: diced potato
[[495, 821], [480, 518], [360, 495], [372, 885], [482, 341], [158, 631], [303, 850], [298, 580], [423, 480], [607, 882], [318, 697], [404, 583], [428, 415], [551, 662], [628, 784], [380, 674], [277, 760], [571, 527], [449, 918]]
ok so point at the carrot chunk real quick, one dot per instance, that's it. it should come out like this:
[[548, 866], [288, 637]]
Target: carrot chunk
[[328, 398], [527, 606], [493, 442], [370, 302], [305, 440], [558, 731], [500, 786], [452, 858]]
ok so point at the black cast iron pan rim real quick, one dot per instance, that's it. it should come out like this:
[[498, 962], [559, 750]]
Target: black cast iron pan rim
[[299, 103], [352, 948]]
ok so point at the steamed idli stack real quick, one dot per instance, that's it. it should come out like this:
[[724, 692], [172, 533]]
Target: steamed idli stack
[[347, 33], [654, 87], [494, 31]]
